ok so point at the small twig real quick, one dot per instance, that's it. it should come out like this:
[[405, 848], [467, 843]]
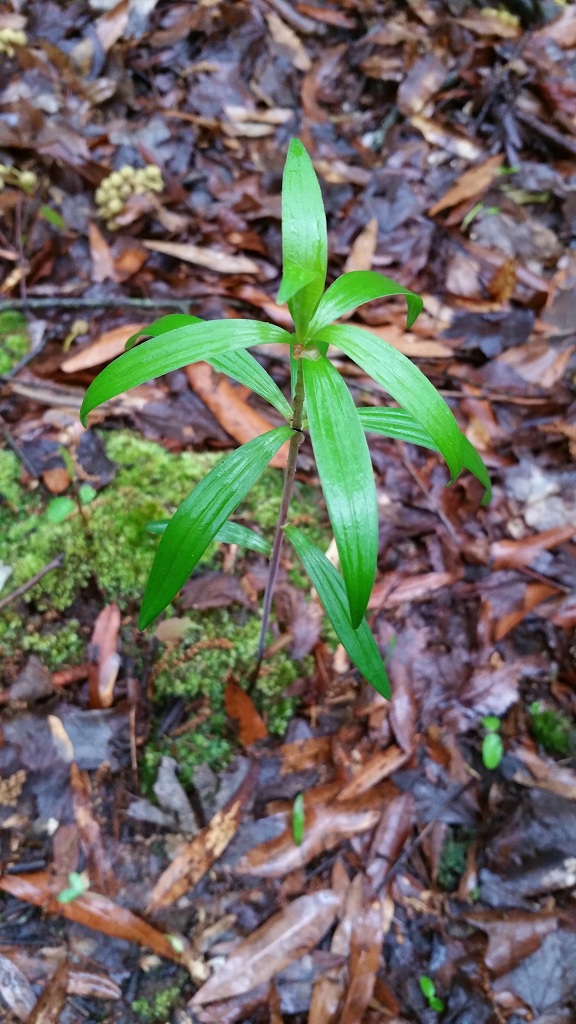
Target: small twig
[[67, 302], [54, 564]]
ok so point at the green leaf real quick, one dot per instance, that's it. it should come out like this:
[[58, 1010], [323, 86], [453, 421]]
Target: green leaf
[[359, 643], [241, 366], [230, 533], [414, 392], [53, 217], [352, 290], [78, 884], [188, 344], [491, 723], [87, 493], [345, 471], [198, 519], [436, 1004], [298, 819], [492, 750], [59, 509], [427, 987], [304, 238], [395, 423]]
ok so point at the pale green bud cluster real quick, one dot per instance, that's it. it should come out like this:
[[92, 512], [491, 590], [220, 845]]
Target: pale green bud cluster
[[116, 189], [10, 175], [11, 37]]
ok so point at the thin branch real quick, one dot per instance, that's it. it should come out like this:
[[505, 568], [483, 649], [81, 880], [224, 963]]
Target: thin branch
[[67, 302], [54, 564]]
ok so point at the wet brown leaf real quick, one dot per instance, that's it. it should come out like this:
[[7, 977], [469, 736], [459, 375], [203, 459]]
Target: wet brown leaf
[[390, 837], [91, 909], [469, 186], [233, 413], [379, 766], [421, 83], [512, 936], [241, 709], [365, 958], [212, 590], [363, 248], [515, 554], [197, 857], [49, 1006], [103, 267], [283, 939], [99, 867]]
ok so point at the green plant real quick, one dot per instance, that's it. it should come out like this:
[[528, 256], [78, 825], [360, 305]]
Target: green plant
[[428, 990], [452, 862], [554, 731], [492, 745], [320, 401]]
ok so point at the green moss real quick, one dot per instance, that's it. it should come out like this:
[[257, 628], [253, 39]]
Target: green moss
[[159, 1007], [453, 858], [14, 341], [553, 730], [217, 646]]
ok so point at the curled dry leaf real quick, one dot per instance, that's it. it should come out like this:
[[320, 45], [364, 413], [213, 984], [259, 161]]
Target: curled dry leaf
[[365, 957], [198, 856], [284, 938], [516, 554], [99, 868]]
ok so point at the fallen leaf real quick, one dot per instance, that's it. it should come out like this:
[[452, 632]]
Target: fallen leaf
[[99, 867], [516, 554], [284, 938], [212, 259], [286, 37], [91, 910], [363, 248], [106, 347], [15, 989], [409, 344], [238, 418], [365, 958], [104, 657], [512, 935], [471, 184], [198, 856], [379, 766], [212, 590], [102, 259], [50, 1004], [241, 709]]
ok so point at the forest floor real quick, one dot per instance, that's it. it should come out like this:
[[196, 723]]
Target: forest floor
[[151, 868]]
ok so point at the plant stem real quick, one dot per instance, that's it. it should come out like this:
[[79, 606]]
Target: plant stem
[[295, 442]]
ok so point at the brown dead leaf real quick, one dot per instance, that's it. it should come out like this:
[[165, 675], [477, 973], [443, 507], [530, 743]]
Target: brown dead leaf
[[106, 347], [56, 479], [501, 285], [92, 986], [91, 910], [238, 418], [534, 594], [365, 957], [470, 185], [104, 657], [538, 362], [15, 989], [512, 935], [545, 774], [324, 828], [379, 766], [408, 343], [212, 259], [363, 248], [111, 26], [103, 267], [516, 554], [422, 82], [561, 31], [453, 143], [99, 867], [241, 709], [298, 756], [212, 590], [286, 37], [390, 837], [198, 856], [51, 1002], [284, 938]]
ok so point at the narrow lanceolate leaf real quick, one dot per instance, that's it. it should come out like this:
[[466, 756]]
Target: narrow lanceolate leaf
[[240, 365], [352, 290], [327, 581], [201, 515], [230, 533], [304, 237], [414, 392], [345, 471], [395, 423], [187, 344]]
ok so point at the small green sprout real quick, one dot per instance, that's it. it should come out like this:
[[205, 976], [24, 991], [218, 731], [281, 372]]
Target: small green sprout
[[298, 819], [428, 990], [492, 745], [78, 884], [320, 402]]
